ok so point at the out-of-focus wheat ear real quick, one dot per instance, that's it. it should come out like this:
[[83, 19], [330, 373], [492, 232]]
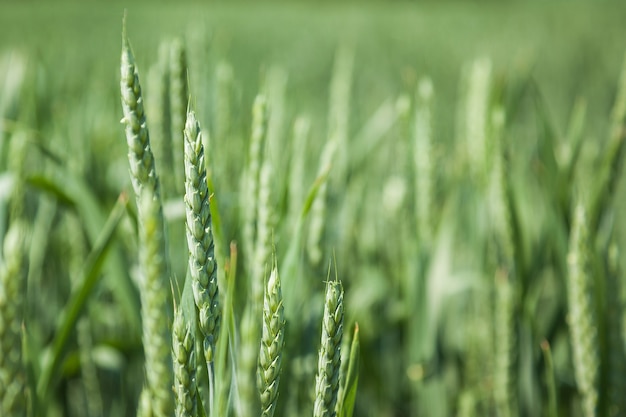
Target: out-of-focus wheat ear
[[501, 211], [179, 98], [262, 248], [339, 108], [581, 317], [199, 231], [422, 158], [297, 168], [142, 167], [615, 334], [144, 409], [246, 361], [276, 145], [155, 304], [318, 208], [184, 362], [13, 385], [467, 404], [158, 106], [504, 347], [251, 178], [329, 360], [272, 343], [476, 117], [613, 159]]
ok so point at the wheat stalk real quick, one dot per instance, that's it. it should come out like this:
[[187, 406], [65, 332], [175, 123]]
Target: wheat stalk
[[155, 301]]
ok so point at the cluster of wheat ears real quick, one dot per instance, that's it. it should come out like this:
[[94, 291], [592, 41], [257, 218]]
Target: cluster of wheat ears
[[184, 355]]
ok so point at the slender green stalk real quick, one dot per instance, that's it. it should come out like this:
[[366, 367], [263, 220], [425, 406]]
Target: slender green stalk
[[549, 379], [272, 342], [202, 264], [583, 331], [329, 360], [155, 302], [251, 328], [13, 398], [155, 293]]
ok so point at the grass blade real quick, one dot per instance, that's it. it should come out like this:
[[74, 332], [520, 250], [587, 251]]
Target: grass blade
[[347, 400], [90, 277]]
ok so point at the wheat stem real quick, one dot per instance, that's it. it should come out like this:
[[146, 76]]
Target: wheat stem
[[155, 294]]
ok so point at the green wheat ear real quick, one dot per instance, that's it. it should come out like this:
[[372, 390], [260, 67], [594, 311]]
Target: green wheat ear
[[202, 264], [272, 343], [179, 96], [155, 293], [155, 301], [140, 157], [583, 331], [329, 361], [184, 361], [12, 296]]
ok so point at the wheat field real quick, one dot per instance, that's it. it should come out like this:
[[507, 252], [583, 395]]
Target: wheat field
[[284, 209]]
